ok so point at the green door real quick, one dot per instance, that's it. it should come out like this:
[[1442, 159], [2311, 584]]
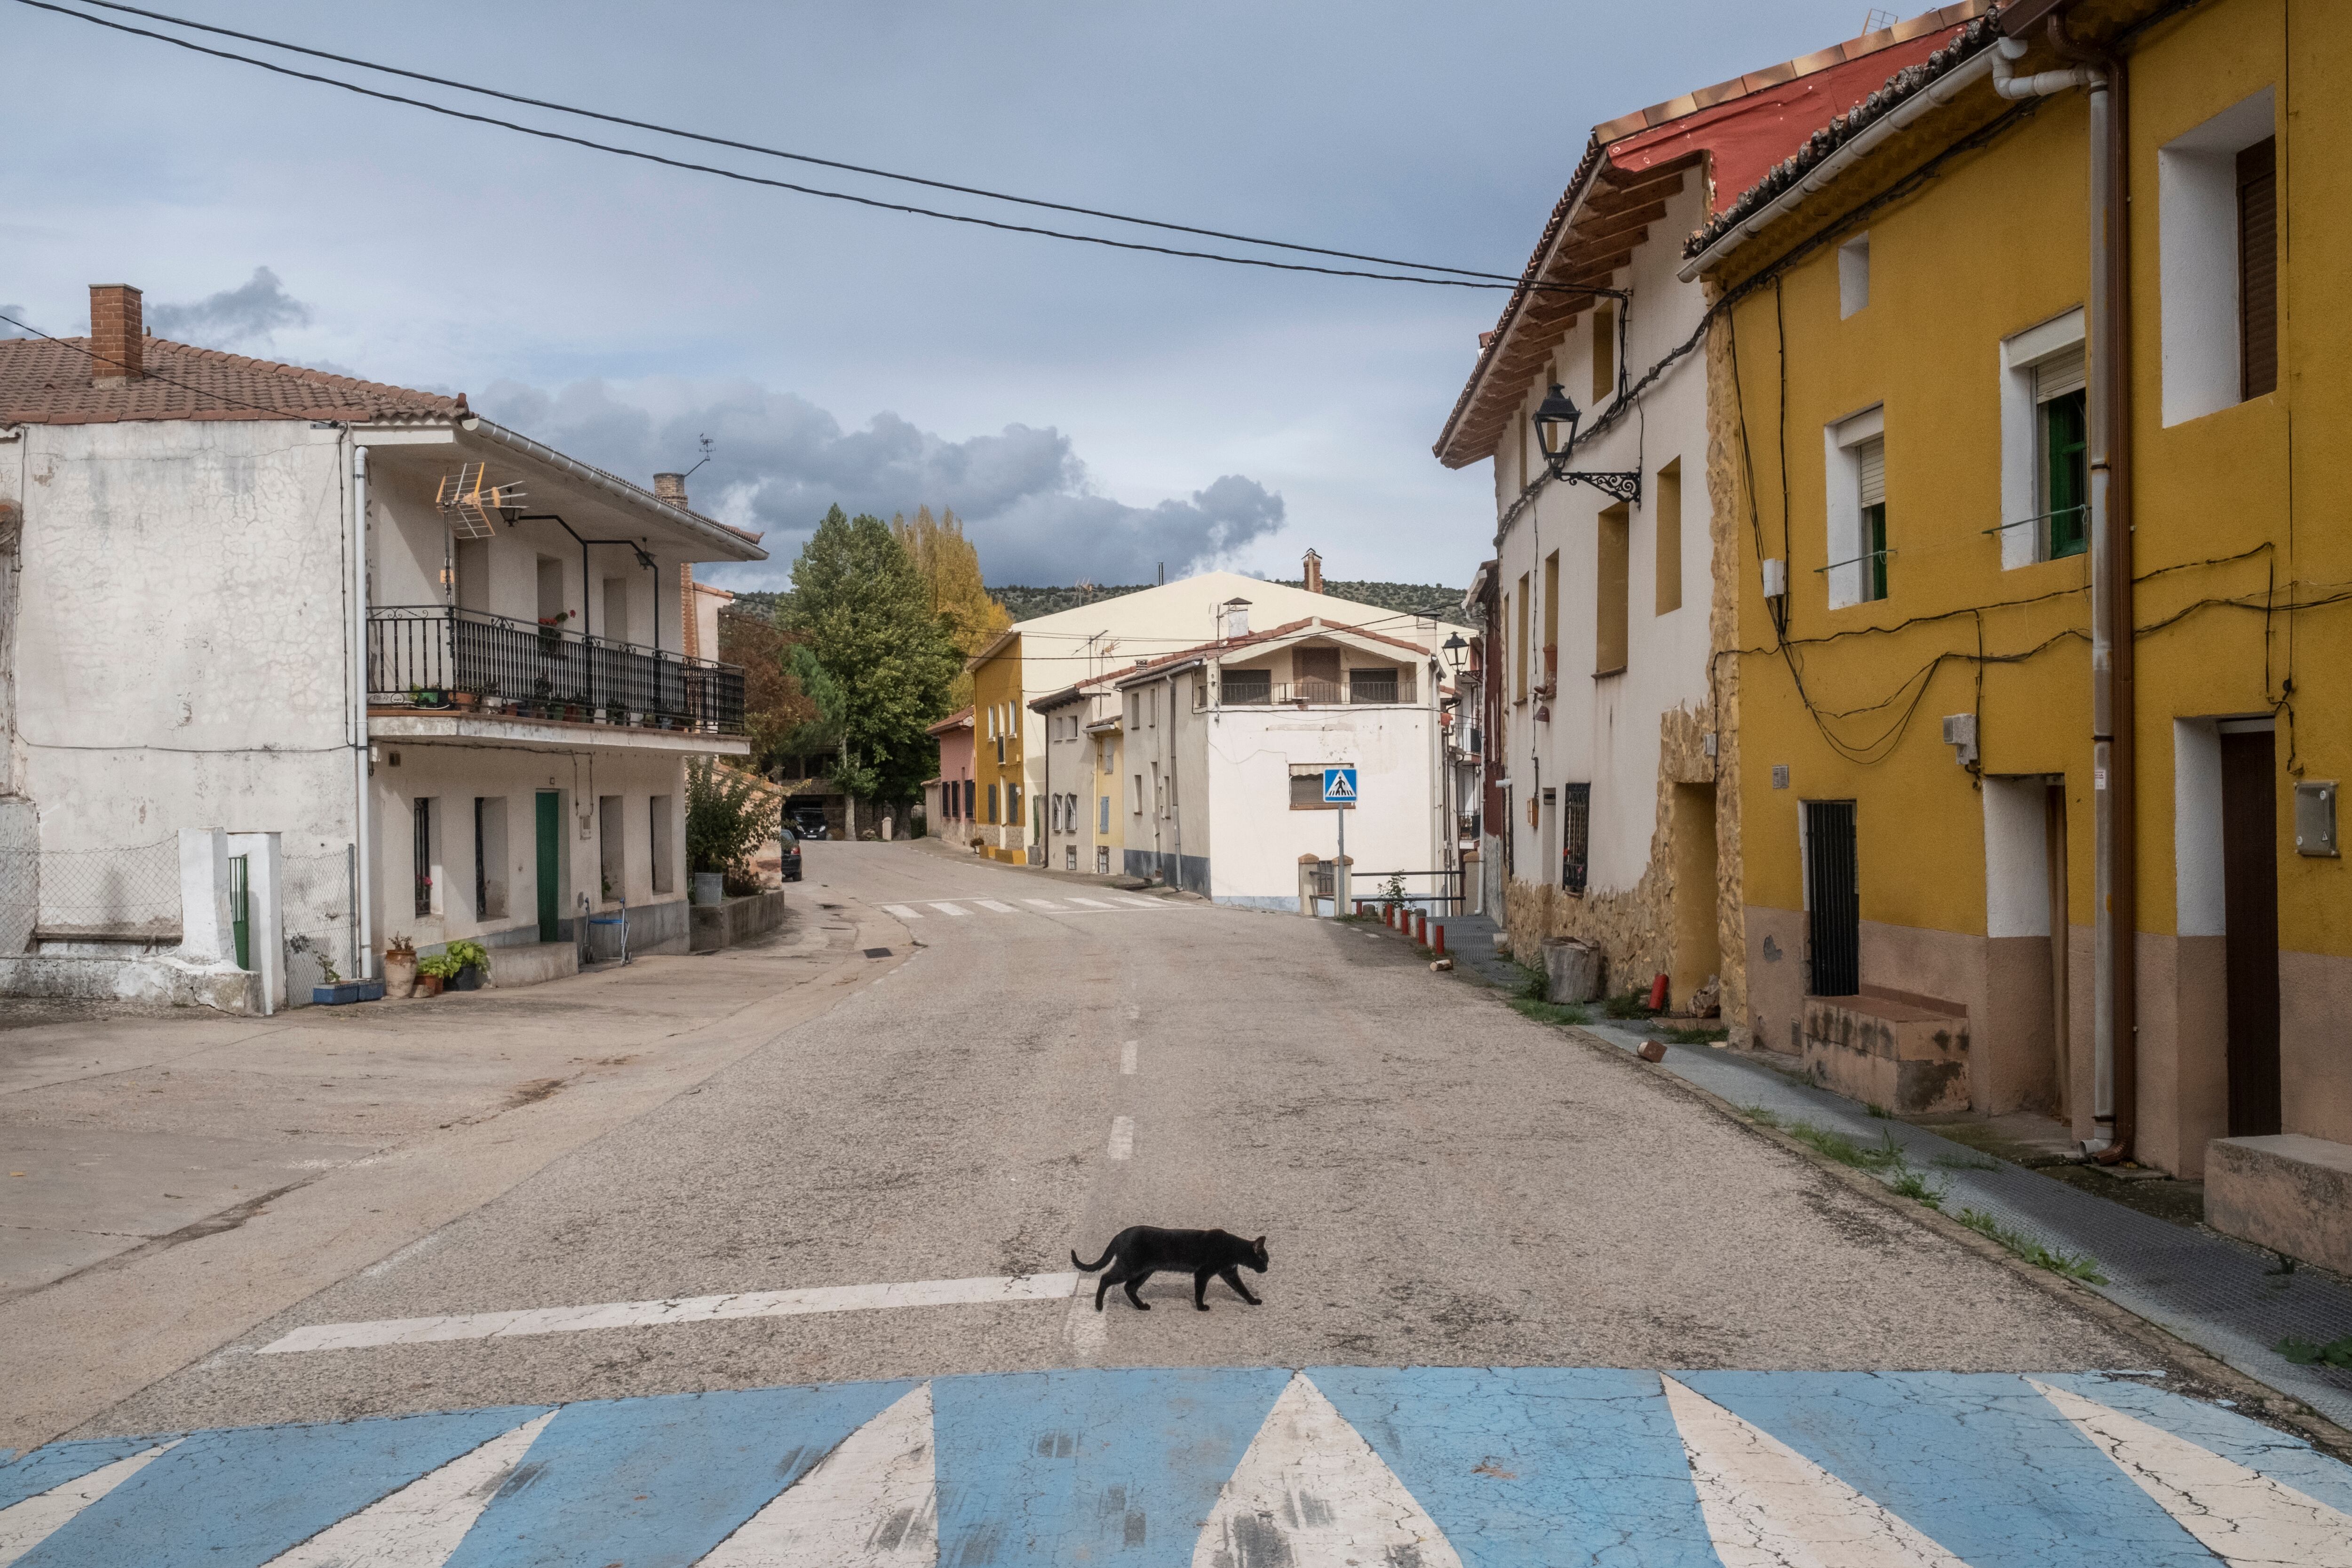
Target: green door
[[550, 846]]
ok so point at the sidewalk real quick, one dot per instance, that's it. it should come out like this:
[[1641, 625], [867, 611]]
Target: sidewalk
[[2226, 1297]]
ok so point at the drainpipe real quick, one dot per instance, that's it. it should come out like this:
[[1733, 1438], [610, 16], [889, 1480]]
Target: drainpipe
[[2114, 924], [365, 895]]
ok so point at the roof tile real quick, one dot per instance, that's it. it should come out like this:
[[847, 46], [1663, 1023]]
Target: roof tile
[[47, 380]]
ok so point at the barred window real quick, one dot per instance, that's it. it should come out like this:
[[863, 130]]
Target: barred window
[[1575, 834]]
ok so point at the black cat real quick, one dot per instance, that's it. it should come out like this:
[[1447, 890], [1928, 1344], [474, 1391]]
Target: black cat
[[1139, 1251]]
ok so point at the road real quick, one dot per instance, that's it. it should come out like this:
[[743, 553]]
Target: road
[[821, 1273]]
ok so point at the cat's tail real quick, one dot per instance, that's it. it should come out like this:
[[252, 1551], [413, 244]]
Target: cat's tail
[[1097, 1263]]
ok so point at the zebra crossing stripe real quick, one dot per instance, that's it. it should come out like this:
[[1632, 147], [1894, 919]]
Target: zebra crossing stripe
[[1089, 903], [1144, 903], [993, 905], [960, 913], [27, 1524], [420, 1525], [901, 912], [1044, 904]]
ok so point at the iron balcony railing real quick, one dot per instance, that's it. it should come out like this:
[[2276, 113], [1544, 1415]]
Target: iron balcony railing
[[1239, 691], [433, 655]]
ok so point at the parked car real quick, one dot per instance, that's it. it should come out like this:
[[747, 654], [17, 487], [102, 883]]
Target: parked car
[[791, 854], [809, 823]]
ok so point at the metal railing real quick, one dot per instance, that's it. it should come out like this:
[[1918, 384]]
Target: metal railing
[[1313, 691], [418, 653], [1426, 887]]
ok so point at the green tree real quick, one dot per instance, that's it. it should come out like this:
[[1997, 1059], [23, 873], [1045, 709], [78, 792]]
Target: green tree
[[880, 661], [725, 820]]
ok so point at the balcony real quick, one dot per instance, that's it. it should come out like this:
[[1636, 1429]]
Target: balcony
[[1239, 691], [464, 665]]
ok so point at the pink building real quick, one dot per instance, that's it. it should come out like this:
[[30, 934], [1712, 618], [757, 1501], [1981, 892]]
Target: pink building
[[948, 799]]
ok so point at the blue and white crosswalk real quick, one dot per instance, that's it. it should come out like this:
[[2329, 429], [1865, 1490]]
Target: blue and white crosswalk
[[1224, 1469]]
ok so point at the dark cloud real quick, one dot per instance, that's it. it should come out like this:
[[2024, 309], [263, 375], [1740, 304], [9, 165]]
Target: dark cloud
[[778, 461], [244, 314]]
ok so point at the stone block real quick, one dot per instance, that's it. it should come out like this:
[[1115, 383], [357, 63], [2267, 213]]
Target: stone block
[[531, 963], [1572, 970], [1896, 1054], [2287, 1192]]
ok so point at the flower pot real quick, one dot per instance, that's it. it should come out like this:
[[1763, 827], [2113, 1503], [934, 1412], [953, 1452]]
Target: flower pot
[[464, 699], [399, 974], [344, 992], [572, 712], [428, 985], [468, 978], [709, 887]]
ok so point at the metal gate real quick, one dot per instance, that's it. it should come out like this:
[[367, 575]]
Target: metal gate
[[1833, 898], [240, 909]]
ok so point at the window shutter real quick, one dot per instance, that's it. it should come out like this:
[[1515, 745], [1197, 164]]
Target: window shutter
[[2258, 268], [2057, 376], [1872, 455]]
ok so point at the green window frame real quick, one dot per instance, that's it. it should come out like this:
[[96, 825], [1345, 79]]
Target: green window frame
[[2066, 469], [1873, 522]]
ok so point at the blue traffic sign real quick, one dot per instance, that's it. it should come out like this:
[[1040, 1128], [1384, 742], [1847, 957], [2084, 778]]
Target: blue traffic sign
[[1339, 786]]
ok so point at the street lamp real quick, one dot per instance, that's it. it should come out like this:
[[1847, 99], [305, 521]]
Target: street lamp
[[1555, 411], [1454, 649]]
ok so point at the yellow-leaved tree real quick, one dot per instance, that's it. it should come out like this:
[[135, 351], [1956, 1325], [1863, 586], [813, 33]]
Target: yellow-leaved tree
[[950, 568]]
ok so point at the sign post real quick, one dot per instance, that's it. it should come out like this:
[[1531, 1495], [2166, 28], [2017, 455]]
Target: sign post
[[1339, 792]]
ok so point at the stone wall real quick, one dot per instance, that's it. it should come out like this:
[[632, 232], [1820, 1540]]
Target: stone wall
[[1731, 540]]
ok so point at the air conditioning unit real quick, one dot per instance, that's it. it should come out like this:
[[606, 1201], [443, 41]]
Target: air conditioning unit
[[1961, 734]]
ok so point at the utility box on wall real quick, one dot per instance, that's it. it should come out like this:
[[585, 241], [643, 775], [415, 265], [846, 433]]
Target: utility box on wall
[[2314, 817]]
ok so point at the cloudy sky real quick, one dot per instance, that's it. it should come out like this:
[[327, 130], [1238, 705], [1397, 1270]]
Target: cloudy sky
[[1090, 412]]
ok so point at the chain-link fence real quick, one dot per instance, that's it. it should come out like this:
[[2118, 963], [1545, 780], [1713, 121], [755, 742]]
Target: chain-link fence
[[129, 894], [315, 894]]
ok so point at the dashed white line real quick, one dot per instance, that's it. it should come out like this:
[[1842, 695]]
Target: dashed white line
[[1122, 1137], [1127, 1055]]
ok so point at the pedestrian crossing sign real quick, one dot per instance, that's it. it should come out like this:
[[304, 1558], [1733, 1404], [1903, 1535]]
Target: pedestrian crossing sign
[[1339, 786]]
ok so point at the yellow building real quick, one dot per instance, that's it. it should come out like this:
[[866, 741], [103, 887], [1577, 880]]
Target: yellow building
[[998, 819], [1951, 419]]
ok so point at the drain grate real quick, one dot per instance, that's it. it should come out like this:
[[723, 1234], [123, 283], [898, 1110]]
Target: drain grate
[[877, 952]]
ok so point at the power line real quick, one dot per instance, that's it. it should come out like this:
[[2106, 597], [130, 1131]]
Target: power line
[[780, 152], [784, 185]]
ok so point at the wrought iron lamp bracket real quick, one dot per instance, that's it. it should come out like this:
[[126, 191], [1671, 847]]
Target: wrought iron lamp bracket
[[1625, 487]]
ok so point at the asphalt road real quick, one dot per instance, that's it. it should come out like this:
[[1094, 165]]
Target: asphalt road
[[1441, 1181]]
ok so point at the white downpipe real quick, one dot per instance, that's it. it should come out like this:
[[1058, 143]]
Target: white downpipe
[[2006, 82], [365, 856]]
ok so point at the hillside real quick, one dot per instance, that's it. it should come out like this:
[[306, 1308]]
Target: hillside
[[1431, 599]]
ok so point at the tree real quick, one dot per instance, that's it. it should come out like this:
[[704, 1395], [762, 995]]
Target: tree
[[879, 660], [950, 570], [776, 703], [725, 820]]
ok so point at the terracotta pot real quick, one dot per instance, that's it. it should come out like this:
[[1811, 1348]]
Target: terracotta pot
[[465, 699], [428, 985], [399, 974]]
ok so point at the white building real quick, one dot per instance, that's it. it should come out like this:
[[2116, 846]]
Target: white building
[[1226, 746], [232, 597]]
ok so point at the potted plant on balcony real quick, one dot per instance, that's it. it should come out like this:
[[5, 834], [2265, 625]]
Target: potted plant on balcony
[[399, 967], [427, 697], [473, 694], [472, 960], [542, 693], [550, 632]]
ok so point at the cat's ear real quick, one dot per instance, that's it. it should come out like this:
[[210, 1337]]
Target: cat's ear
[[1259, 1244]]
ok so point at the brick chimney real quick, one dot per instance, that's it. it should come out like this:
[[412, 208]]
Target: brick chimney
[[1313, 573], [118, 335], [670, 487]]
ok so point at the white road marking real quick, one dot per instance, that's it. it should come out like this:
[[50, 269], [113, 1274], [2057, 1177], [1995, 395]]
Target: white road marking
[[2240, 1516], [992, 904], [947, 909], [1122, 1137], [1768, 1506], [1145, 903], [422, 1523], [1044, 904], [1089, 1331], [1127, 1055], [901, 910], [682, 1310], [27, 1523], [1311, 1491], [871, 1503], [1089, 903]]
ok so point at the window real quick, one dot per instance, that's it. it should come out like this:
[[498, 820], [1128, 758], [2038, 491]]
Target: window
[[489, 857], [1604, 353], [2258, 268], [2061, 427], [1519, 646], [1012, 804], [992, 803], [1102, 856], [1134, 796], [421, 833], [1380, 683], [1611, 590], [1575, 834], [2217, 261], [659, 816], [1551, 623], [1248, 686], [1668, 517], [1306, 787], [1104, 825], [1854, 276], [1855, 455]]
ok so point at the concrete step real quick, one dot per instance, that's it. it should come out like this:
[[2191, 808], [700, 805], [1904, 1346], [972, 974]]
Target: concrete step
[[1898, 1054]]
